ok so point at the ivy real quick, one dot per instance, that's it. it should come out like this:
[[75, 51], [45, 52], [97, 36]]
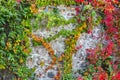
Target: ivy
[[14, 38], [49, 20]]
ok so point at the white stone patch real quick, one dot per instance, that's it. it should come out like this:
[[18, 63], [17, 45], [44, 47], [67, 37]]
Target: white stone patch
[[58, 45], [87, 41], [67, 12], [38, 54]]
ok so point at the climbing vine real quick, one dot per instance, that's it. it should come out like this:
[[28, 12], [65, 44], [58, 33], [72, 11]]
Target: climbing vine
[[19, 19]]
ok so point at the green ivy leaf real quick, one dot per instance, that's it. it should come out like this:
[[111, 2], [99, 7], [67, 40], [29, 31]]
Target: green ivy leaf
[[2, 51], [83, 18], [86, 7], [93, 13], [118, 66], [110, 68], [3, 43]]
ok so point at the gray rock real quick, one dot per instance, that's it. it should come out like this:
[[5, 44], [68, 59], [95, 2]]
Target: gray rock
[[50, 75]]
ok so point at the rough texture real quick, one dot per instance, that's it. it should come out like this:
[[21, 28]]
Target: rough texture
[[40, 59]]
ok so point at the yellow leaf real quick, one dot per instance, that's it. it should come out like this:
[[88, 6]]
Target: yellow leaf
[[42, 63], [21, 60], [2, 66], [84, 25]]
